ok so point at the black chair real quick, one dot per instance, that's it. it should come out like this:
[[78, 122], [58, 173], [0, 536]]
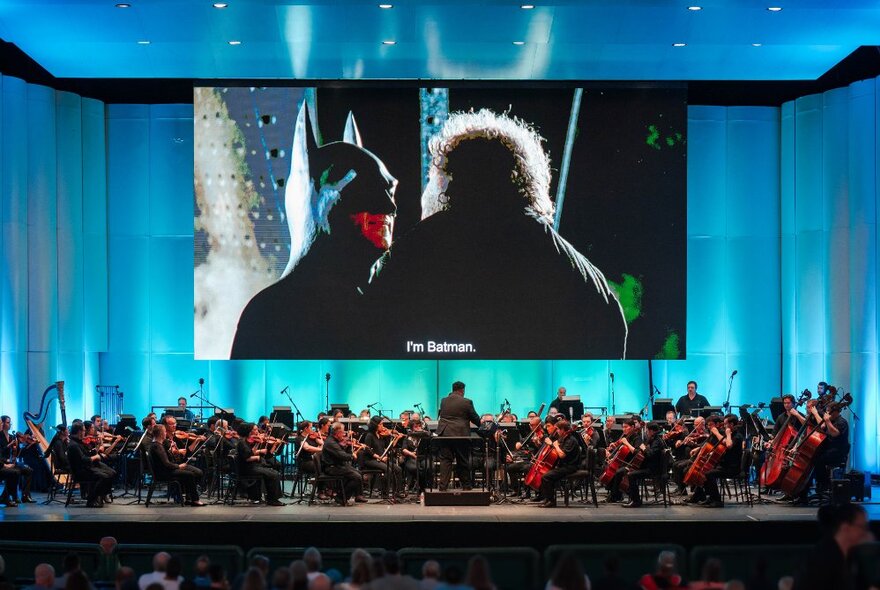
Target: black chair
[[60, 476], [73, 484], [320, 477], [583, 480], [237, 480], [742, 481], [659, 486], [171, 484]]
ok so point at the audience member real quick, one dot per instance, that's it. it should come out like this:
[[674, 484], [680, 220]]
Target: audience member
[[479, 575], [393, 578], [254, 579], [843, 528], [611, 579], [734, 585], [125, 579], [320, 582], [77, 580], [785, 583], [666, 575], [710, 577], [357, 556], [312, 559], [568, 574], [280, 578], [202, 579], [44, 578], [452, 579], [108, 560], [430, 575], [217, 575], [299, 579], [160, 562]]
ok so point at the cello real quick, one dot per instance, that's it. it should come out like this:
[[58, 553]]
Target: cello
[[772, 469], [545, 460], [803, 453], [707, 459]]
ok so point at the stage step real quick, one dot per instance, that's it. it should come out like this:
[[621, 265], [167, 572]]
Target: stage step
[[457, 498]]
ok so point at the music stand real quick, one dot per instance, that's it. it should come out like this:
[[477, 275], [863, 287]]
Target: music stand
[[284, 415], [571, 407], [125, 420], [706, 411], [777, 408], [346, 411], [660, 407]]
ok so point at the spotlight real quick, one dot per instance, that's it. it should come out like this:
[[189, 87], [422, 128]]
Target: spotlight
[[774, 8], [389, 42], [386, 6], [123, 5], [756, 44], [235, 42], [695, 8], [679, 44], [527, 6], [220, 4]]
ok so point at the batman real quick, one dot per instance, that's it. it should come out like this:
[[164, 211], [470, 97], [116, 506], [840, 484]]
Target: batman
[[341, 210]]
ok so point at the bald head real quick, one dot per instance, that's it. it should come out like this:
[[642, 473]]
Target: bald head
[[321, 582], [160, 561], [44, 575]]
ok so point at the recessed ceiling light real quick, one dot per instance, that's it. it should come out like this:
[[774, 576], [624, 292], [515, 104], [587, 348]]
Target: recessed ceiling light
[[123, 5], [519, 42], [144, 42], [220, 4], [235, 42], [389, 42], [527, 6], [386, 6], [774, 8], [695, 8], [756, 44], [679, 44]]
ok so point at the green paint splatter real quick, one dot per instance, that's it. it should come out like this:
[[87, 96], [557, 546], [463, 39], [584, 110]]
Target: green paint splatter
[[670, 349], [629, 293], [325, 176], [653, 136]]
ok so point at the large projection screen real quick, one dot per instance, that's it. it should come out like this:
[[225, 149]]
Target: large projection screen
[[395, 222]]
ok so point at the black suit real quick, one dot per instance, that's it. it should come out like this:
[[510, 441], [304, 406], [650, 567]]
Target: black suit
[[165, 470], [456, 415], [25, 473], [336, 461], [84, 469]]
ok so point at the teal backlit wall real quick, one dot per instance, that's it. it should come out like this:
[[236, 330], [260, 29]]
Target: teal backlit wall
[[97, 262]]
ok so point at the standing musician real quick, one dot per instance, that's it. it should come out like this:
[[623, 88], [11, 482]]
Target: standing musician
[[380, 456], [833, 451], [250, 463], [653, 448], [87, 467], [456, 415], [731, 462], [336, 459], [690, 401], [684, 450], [9, 449], [164, 469], [568, 449], [631, 438]]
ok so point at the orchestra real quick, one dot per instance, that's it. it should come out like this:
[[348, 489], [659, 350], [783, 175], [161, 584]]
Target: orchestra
[[789, 457]]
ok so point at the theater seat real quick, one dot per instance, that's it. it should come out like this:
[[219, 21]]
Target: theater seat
[[511, 567], [743, 561], [635, 560]]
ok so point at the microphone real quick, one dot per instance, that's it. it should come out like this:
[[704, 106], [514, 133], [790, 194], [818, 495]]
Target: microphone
[[327, 377], [369, 405], [762, 405], [285, 389], [201, 381], [732, 375], [611, 375], [193, 394], [506, 402]]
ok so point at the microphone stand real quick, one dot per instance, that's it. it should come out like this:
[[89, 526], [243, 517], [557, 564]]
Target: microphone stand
[[298, 413], [613, 406], [726, 403]]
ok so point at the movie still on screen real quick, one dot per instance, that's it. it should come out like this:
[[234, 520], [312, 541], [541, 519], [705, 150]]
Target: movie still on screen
[[349, 222]]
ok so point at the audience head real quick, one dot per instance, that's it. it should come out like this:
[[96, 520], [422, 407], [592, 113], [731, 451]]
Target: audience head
[[217, 575], [458, 386], [261, 562], [357, 556], [126, 579], [254, 579], [71, 563], [173, 568], [666, 563], [391, 561], [569, 573], [847, 523], [281, 578], [160, 561], [44, 575], [312, 559], [77, 580], [299, 579], [321, 582], [203, 562], [785, 583], [711, 570], [431, 569], [361, 573], [108, 545], [479, 576]]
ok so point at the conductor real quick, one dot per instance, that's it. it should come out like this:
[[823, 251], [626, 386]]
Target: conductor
[[456, 415]]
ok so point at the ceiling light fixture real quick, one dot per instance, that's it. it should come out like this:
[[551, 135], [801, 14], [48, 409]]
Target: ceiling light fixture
[[519, 42], [756, 44], [123, 5], [679, 44], [235, 42], [220, 5], [389, 42], [386, 6], [144, 42], [774, 8], [527, 6], [695, 8]]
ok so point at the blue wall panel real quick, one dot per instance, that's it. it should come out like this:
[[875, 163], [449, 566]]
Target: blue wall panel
[[128, 169], [94, 187], [171, 170], [170, 283], [130, 291]]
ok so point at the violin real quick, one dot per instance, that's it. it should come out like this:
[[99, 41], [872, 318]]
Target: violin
[[181, 435], [675, 431]]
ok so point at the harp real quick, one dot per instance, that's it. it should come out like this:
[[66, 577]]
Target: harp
[[35, 421]]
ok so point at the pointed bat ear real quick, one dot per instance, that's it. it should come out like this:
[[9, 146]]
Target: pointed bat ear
[[311, 142], [352, 135], [303, 142]]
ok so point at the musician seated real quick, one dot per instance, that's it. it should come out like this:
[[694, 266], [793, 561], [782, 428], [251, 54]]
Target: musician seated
[[58, 449], [524, 453], [567, 449], [9, 476], [416, 474], [631, 439], [380, 454], [730, 464], [336, 460], [684, 450], [165, 470], [308, 443], [250, 464], [653, 449], [832, 452], [9, 447], [87, 467]]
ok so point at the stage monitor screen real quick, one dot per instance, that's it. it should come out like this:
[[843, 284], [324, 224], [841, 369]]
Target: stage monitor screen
[[397, 222]]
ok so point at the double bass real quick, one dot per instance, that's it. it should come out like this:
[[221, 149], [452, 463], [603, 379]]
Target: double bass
[[803, 453], [774, 463]]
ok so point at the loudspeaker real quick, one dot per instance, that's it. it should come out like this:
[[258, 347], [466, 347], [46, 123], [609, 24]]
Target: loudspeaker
[[841, 491], [860, 485], [457, 498]]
